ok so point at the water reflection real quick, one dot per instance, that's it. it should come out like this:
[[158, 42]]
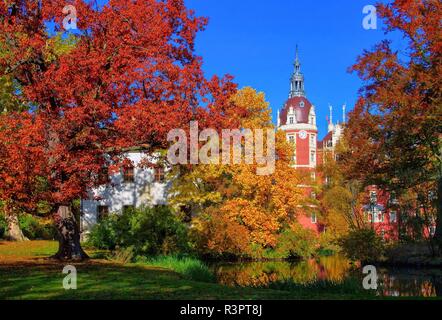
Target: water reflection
[[392, 282], [262, 273], [410, 282]]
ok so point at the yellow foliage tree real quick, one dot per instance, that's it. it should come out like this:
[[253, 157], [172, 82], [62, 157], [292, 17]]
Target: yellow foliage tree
[[233, 207]]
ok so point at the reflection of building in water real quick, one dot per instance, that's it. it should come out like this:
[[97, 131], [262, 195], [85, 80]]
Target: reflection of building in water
[[334, 268], [406, 285]]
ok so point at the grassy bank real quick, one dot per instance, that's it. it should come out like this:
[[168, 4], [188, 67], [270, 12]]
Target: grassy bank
[[26, 273], [189, 268]]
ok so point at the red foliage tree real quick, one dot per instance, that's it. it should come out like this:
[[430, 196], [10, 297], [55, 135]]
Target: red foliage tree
[[396, 129], [131, 76]]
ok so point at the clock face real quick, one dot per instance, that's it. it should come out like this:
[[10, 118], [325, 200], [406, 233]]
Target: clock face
[[303, 134]]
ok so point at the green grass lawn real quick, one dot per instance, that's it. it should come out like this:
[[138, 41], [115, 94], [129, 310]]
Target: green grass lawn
[[26, 273]]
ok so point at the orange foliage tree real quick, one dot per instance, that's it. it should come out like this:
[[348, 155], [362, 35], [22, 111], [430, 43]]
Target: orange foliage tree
[[234, 209], [396, 127]]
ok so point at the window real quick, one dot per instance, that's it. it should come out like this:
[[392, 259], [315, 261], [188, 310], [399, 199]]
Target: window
[[291, 120], [373, 197], [302, 104], [393, 199], [314, 218], [313, 195], [102, 212], [393, 217], [128, 208], [312, 157], [370, 218], [128, 174], [312, 140], [432, 230], [313, 176], [159, 174], [292, 139], [380, 217]]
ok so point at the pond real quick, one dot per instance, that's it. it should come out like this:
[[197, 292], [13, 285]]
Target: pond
[[393, 282]]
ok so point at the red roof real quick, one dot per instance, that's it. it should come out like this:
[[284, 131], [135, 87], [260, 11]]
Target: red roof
[[301, 112]]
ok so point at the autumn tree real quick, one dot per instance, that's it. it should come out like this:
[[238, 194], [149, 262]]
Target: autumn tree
[[396, 127], [233, 207], [341, 198], [14, 122], [130, 78]]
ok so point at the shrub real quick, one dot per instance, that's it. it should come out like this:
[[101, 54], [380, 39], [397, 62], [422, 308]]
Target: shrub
[[218, 236], [149, 231], [33, 228], [363, 245], [189, 268], [36, 228], [297, 242], [104, 235], [328, 244]]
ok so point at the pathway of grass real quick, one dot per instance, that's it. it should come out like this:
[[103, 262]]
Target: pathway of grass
[[25, 273]]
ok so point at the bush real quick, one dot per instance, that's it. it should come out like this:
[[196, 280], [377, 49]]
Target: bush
[[35, 228], [189, 268], [297, 242], [104, 234], [149, 231], [217, 236], [363, 245]]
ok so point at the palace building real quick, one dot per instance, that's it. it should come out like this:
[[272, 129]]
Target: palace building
[[297, 119]]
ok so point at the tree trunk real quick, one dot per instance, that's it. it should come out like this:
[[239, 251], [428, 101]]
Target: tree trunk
[[69, 248], [438, 234], [13, 232]]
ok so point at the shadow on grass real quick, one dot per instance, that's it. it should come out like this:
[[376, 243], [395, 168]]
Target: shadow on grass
[[32, 280], [99, 280]]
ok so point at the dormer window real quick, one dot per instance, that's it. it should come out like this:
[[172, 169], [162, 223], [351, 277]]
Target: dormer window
[[291, 120]]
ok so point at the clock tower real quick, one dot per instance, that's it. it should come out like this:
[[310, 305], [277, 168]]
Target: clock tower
[[298, 119]]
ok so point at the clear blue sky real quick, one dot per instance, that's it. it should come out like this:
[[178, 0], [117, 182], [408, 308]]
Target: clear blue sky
[[255, 42]]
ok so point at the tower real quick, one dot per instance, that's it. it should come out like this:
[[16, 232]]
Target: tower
[[298, 119]]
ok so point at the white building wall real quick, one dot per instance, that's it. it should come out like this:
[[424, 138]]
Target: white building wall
[[117, 194]]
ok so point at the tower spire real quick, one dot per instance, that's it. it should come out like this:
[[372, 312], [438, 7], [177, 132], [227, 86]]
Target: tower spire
[[330, 124], [297, 79]]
